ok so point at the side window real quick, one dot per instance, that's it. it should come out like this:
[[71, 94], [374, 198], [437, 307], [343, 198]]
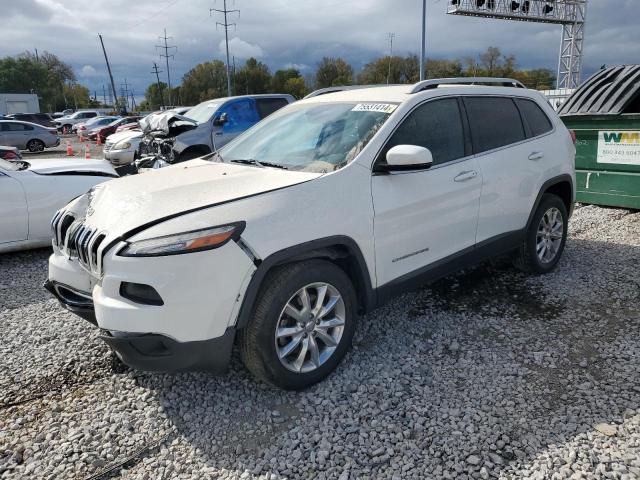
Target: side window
[[494, 121], [436, 125], [241, 115], [537, 120], [17, 127], [266, 106]]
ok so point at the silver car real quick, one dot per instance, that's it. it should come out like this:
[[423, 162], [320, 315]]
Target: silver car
[[27, 136]]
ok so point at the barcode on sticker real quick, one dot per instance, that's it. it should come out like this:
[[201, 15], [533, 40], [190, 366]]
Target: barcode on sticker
[[374, 107]]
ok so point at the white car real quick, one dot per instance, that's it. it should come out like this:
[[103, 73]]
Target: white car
[[31, 193], [322, 211], [65, 124], [121, 148]]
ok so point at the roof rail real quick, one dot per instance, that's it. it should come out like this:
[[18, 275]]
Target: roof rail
[[342, 88], [435, 82]]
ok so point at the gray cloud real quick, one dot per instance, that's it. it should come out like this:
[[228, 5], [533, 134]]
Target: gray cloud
[[287, 32]]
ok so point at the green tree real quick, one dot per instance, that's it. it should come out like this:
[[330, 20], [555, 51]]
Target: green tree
[[443, 68], [296, 87], [333, 72], [155, 97], [45, 75], [289, 81], [253, 77], [388, 69], [205, 81]]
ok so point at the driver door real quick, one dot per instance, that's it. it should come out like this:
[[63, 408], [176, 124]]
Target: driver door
[[241, 115], [14, 215], [425, 215]]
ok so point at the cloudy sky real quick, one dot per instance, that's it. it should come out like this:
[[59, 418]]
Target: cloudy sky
[[290, 33]]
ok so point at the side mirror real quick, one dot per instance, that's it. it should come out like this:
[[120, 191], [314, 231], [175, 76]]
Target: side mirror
[[220, 120], [408, 157]]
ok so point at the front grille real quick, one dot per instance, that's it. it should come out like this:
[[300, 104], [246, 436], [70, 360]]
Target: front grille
[[76, 239]]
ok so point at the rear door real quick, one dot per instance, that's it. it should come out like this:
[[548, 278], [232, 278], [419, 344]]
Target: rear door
[[14, 134], [14, 216], [423, 216], [509, 176]]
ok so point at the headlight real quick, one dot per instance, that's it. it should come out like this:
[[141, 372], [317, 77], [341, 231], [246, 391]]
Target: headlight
[[187, 242], [122, 145]]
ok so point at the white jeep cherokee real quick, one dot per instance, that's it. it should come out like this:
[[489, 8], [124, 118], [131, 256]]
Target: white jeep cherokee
[[318, 213]]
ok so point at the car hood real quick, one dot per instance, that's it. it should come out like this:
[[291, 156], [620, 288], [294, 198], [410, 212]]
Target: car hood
[[122, 205], [167, 123], [64, 166], [126, 135]]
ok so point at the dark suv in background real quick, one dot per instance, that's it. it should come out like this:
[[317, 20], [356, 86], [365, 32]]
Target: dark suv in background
[[43, 119]]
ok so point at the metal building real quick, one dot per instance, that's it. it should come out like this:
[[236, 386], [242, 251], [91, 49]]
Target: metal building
[[571, 14], [19, 103]]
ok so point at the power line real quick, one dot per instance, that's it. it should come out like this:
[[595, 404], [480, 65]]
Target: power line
[[166, 47], [226, 26]]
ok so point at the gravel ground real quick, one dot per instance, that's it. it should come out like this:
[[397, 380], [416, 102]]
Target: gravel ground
[[487, 374]]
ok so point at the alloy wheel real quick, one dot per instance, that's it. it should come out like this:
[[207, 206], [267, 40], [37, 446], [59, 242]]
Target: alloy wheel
[[549, 235], [310, 327]]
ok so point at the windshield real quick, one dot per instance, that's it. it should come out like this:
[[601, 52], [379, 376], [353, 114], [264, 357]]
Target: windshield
[[202, 113], [12, 167], [318, 137]]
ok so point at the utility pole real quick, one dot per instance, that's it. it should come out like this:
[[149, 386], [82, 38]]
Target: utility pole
[[133, 101], [166, 47], [226, 26], [390, 37], [156, 71], [113, 85], [37, 57], [125, 93], [424, 39], [104, 96]]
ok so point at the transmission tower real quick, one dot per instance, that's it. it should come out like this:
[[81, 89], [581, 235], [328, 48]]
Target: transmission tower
[[167, 48], [571, 14], [226, 26]]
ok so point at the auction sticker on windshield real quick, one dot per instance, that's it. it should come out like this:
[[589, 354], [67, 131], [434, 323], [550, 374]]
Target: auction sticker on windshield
[[374, 107]]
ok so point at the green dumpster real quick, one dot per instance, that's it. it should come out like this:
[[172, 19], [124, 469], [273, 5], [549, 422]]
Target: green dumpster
[[604, 113]]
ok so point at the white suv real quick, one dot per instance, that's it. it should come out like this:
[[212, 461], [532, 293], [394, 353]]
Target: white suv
[[318, 213]]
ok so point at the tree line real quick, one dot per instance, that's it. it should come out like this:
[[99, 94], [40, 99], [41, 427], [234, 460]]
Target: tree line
[[208, 80], [47, 76], [55, 83]]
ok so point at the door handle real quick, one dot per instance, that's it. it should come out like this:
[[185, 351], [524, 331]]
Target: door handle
[[536, 155], [464, 176]]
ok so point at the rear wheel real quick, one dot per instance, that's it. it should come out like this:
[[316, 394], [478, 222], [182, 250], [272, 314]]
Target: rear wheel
[[35, 145], [542, 248], [303, 325]]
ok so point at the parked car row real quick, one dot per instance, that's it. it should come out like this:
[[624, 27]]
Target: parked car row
[[320, 212]]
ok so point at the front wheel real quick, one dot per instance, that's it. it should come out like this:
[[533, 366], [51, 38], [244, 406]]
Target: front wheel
[[542, 248], [303, 325]]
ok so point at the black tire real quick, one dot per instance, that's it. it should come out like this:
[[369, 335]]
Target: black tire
[[526, 258], [35, 145], [257, 340]]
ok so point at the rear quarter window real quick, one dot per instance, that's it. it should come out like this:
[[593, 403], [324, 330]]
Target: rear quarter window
[[266, 106], [494, 121], [538, 122]]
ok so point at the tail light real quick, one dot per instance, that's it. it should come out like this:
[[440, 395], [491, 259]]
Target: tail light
[[573, 136], [10, 156]]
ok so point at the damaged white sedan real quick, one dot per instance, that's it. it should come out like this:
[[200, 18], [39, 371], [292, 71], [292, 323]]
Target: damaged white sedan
[[31, 193]]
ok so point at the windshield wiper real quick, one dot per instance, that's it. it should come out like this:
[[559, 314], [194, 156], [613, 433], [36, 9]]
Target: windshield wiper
[[251, 161]]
